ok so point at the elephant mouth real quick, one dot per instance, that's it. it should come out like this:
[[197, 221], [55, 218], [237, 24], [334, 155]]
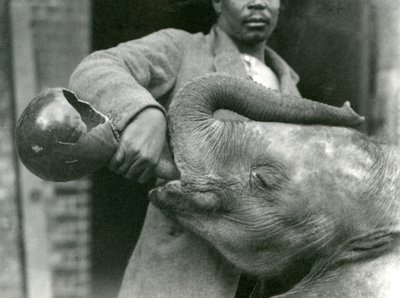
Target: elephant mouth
[[167, 197]]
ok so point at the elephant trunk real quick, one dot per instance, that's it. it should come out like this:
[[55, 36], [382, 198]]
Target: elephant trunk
[[199, 99]]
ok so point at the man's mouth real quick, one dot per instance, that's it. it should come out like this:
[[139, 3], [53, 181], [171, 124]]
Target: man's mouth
[[257, 22]]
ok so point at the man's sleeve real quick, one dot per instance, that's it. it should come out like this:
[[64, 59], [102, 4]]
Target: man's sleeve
[[122, 81]]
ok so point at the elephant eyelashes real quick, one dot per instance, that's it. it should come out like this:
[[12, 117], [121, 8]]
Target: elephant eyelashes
[[269, 177]]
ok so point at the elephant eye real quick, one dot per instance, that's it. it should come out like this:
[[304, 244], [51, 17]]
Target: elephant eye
[[259, 180], [269, 177]]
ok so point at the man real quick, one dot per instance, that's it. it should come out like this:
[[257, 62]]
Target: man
[[134, 83]]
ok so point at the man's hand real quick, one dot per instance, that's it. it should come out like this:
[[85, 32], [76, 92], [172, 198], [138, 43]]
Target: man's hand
[[140, 146]]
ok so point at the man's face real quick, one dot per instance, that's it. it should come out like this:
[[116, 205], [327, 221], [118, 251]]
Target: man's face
[[247, 21]]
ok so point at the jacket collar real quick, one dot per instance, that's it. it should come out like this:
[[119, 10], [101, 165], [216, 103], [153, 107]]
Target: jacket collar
[[227, 60]]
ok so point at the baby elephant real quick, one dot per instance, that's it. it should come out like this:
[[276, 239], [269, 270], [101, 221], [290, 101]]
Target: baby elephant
[[283, 195]]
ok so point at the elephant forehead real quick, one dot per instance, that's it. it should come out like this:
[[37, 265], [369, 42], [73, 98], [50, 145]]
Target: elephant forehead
[[333, 159], [310, 146]]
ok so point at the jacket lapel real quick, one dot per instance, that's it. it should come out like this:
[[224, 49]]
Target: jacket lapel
[[226, 55], [288, 79]]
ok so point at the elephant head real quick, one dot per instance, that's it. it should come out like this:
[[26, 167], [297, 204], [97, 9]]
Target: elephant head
[[277, 198]]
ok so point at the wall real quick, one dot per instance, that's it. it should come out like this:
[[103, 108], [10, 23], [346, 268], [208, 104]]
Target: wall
[[61, 35], [11, 281], [49, 38], [385, 108]]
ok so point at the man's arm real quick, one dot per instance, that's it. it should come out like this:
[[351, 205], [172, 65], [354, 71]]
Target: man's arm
[[123, 83], [124, 80]]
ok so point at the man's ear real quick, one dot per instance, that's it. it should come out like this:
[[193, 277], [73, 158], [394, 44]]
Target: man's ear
[[217, 6]]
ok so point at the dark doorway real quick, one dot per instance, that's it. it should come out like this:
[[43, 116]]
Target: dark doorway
[[326, 42], [330, 44]]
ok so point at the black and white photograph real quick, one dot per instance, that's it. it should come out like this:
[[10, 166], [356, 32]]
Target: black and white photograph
[[200, 149]]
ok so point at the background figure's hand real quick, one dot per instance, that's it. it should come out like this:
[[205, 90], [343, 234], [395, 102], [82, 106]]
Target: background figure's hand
[[140, 146]]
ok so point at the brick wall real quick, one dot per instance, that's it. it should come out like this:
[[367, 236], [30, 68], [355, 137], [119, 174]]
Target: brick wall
[[68, 217]]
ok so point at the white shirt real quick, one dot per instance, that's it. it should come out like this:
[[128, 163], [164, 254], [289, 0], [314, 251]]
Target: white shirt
[[260, 73]]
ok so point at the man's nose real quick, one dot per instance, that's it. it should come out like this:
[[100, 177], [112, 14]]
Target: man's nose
[[257, 4]]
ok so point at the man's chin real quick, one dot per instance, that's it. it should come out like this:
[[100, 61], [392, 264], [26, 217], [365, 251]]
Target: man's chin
[[254, 38]]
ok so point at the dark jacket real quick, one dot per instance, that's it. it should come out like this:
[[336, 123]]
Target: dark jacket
[[120, 82]]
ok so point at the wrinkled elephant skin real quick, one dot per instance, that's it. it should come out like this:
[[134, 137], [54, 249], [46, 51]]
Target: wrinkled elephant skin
[[307, 204]]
